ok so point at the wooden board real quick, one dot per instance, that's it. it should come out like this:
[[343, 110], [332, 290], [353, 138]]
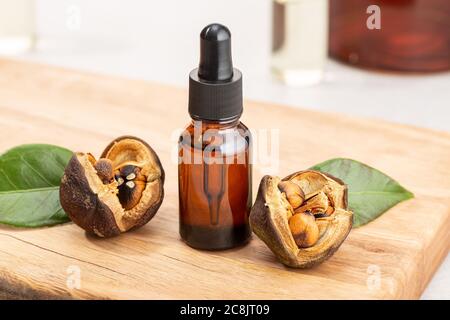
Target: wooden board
[[392, 257]]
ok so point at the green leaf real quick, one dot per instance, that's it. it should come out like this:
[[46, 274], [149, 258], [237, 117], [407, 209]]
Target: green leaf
[[370, 192], [29, 185]]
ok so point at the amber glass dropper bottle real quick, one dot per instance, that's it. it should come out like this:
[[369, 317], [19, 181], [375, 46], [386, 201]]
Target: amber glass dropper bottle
[[214, 171]]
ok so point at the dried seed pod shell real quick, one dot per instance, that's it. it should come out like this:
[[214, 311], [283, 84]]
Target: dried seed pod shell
[[268, 219], [95, 206], [322, 224], [316, 204]]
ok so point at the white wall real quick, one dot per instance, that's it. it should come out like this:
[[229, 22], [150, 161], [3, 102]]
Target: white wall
[[138, 33], [158, 41]]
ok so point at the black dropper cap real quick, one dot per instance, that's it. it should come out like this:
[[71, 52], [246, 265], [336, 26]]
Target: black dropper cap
[[215, 87]]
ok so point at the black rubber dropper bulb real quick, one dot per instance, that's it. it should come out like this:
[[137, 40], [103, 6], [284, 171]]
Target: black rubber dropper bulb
[[216, 63], [215, 87]]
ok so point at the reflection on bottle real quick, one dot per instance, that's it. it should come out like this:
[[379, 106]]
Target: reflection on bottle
[[16, 26], [214, 188], [300, 32]]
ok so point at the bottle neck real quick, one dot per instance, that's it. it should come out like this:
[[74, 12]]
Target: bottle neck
[[216, 124]]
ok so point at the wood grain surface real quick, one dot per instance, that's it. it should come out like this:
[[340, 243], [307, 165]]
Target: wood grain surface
[[392, 257]]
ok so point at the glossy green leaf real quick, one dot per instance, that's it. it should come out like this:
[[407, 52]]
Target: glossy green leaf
[[370, 192], [29, 185]]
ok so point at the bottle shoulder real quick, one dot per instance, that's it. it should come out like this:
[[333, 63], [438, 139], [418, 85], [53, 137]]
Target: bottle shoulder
[[205, 126], [242, 127], [225, 138]]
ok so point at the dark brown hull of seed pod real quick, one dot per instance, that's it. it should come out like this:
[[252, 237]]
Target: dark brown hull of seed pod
[[155, 156], [83, 205], [270, 225], [152, 210]]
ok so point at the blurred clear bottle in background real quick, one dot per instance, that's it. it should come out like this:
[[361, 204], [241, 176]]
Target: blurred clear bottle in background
[[17, 22], [300, 40]]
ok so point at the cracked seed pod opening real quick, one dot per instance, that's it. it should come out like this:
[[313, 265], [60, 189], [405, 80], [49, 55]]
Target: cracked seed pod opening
[[307, 235], [120, 191]]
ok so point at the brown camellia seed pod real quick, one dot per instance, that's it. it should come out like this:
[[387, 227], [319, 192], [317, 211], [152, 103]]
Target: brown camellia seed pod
[[308, 236], [120, 191]]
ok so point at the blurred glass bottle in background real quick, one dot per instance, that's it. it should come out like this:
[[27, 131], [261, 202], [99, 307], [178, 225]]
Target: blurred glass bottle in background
[[16, 26], [413, 35], [300, 40]]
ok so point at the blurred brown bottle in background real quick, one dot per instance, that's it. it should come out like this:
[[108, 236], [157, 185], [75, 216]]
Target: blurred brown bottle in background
[[414, 35]]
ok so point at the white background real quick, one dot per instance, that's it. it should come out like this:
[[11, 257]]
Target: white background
[[158, 41]]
